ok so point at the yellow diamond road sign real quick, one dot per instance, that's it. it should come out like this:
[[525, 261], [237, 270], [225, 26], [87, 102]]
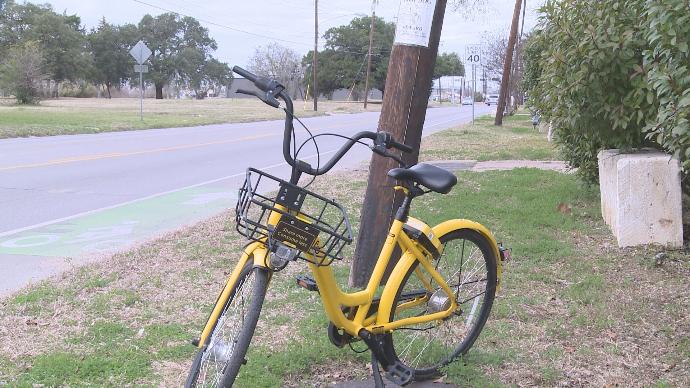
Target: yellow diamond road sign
[[140, 52]]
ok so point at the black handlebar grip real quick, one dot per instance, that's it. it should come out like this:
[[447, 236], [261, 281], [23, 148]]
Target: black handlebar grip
[[401, 147], [244, 73]]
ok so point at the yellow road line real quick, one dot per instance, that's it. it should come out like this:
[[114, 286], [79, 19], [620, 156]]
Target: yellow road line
[[123, 154]]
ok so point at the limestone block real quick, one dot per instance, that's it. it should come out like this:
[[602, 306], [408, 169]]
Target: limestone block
[[608, 161], [641, 197]]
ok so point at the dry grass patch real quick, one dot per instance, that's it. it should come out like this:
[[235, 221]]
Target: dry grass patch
[[89, 115], [516, 139]]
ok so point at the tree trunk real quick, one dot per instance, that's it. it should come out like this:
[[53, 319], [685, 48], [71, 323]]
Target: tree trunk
[[159, 91], [507, 65], [107, 86], [410, 72]]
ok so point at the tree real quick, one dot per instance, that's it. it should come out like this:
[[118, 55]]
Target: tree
[[533, 47], [495, 46], [168, 36], [494, 51], [280, 63], [203, 74], [503, 96], [342, 64], [22, 71], [447, 64], [109, 46], [60, 38]]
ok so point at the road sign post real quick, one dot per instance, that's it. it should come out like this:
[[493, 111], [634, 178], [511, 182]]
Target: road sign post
[[141, 53], [473, 55], [474, 88]]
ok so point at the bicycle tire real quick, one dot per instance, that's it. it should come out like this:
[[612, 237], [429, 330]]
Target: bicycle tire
[[244, 305], [429, 360]]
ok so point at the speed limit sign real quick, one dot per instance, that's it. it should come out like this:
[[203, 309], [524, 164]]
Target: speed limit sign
[[473, 54]]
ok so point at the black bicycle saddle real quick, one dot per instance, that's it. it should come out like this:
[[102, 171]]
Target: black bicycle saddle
[[434, 178]]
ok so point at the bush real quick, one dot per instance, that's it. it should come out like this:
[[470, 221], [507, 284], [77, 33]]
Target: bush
[[21, 72], [665, 66], [612, 74], [80, 90]]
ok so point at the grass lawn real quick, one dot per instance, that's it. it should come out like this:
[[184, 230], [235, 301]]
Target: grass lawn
[[574, 309], [68, 116], [516, 139]]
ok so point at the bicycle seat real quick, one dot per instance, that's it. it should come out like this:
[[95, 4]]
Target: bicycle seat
[[434, 178]]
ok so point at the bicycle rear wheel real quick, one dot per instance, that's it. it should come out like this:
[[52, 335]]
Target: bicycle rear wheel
[[468, 265], [218, 362]]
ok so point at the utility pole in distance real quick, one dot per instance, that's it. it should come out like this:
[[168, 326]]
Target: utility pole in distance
[[410, 72], [507, 65], [316, 51], [371, 42]]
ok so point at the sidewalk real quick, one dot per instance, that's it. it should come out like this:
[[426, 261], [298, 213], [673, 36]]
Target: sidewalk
[[473, 165]]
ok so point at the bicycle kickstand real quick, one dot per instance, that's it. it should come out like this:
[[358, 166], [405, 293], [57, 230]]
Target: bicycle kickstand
[[378, 380]]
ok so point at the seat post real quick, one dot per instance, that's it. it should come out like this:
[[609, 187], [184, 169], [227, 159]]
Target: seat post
[[404, 209]]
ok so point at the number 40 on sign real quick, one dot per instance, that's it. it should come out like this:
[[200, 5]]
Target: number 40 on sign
[[473, 54]]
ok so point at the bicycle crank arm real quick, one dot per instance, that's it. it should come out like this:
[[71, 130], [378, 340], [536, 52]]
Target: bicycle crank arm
[[396, 372]]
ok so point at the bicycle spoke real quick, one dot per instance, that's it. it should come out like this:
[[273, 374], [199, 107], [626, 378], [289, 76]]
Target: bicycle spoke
[[409, 345], [224, 337], [463, 266]]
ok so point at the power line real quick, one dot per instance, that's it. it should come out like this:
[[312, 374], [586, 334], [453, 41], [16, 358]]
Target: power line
[[238, 29], [219, 25], [206, 12]]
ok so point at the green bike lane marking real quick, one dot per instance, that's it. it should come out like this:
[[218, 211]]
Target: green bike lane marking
[[119, 227]]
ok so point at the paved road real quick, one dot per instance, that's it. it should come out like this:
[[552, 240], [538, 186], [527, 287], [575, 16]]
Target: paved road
[[74, 195]]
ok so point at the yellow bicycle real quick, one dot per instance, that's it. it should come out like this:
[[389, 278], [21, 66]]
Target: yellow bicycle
[[432, 307]]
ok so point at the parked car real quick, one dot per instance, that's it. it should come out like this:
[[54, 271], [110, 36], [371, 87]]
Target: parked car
[[492, 99], [467, 100]]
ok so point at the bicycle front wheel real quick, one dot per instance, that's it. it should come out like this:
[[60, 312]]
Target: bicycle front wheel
[[218, 362], [468, 265]]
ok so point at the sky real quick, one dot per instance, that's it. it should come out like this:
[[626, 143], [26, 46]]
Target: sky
[[240, 27]]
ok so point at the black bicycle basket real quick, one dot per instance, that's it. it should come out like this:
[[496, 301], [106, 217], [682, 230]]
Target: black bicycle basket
[[316, 226]]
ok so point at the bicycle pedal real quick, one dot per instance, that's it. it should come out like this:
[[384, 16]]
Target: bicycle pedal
[[307, 283], [399, 374], [195, 342]]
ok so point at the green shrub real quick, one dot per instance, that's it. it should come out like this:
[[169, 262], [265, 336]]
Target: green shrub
[[612, 74], [21, 72], [666, 66], [80, 89]]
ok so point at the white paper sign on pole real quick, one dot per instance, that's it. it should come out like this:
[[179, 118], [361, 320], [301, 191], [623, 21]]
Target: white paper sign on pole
[[414, 22]]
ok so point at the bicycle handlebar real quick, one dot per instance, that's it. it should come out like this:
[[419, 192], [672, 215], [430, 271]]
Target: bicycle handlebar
[[272, 89]]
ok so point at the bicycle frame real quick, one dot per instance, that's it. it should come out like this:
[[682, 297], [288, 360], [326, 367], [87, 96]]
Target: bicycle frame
[[333, 298]]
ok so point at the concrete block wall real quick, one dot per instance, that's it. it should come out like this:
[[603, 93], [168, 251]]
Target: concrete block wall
[[641, 197]]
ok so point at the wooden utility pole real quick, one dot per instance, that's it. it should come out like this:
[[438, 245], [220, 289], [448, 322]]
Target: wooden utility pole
[[371, 42], [507, 64], [410, 72], [315, 81]]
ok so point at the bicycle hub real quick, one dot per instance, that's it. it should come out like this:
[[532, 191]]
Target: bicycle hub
[[439, 301]]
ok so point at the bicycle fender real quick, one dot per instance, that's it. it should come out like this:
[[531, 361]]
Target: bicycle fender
[[259, 252], [451, 225]]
